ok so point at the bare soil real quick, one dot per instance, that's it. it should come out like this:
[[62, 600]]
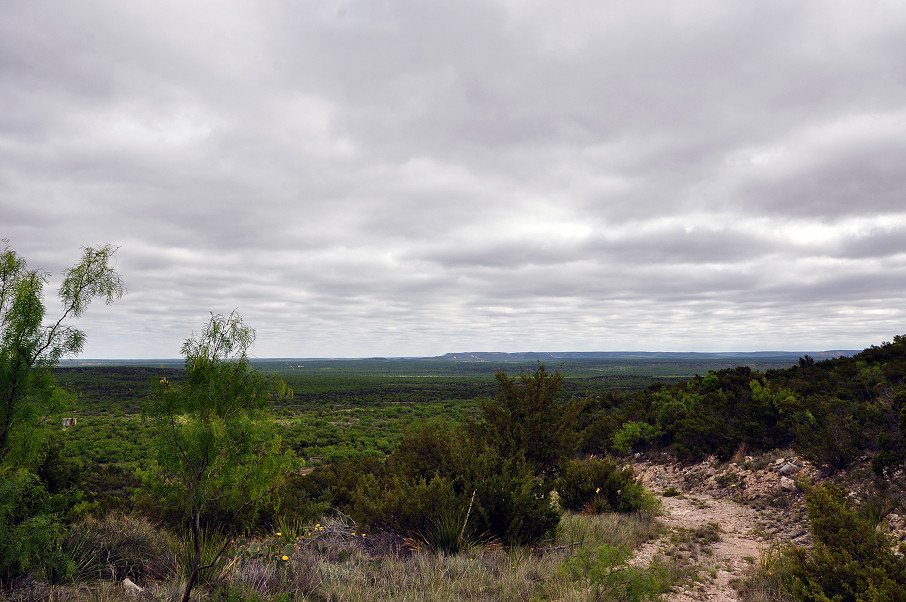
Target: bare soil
[[745, 500]]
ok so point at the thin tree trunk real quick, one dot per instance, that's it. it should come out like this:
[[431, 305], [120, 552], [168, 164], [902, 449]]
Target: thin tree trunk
[[196, 564]]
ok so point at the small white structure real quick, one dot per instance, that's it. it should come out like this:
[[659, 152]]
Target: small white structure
[[131, 588], [68, 422]]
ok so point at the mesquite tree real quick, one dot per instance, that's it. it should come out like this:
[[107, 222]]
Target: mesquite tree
[[216, 445], [30, 345]]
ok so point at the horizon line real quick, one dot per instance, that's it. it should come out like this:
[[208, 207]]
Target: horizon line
[[451, 355]]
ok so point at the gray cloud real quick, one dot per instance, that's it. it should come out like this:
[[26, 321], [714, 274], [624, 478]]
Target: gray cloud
[[407, 177]]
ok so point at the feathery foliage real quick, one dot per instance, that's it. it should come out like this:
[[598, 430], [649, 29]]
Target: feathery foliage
[[29, 399], [29, 347], [217, 451]]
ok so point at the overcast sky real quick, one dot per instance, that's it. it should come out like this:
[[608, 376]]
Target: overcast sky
[[377, 177]]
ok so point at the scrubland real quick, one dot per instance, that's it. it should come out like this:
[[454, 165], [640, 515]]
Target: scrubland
[[482, 488]]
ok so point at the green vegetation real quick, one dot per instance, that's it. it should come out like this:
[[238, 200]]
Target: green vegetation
[[595, 486], [606, 575], [334, 559], [493, 476], [216, 449], [852, 557], [830, 412], [340, 408], [437, 477], [30, 401]]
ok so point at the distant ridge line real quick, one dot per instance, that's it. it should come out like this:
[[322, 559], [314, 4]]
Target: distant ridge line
[[566, 355], [500, 356]]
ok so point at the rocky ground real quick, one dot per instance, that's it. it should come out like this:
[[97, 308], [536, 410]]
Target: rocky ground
[[736, 511]]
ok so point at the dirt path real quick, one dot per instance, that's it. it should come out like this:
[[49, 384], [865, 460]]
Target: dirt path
[[725, 495], [729, 558]]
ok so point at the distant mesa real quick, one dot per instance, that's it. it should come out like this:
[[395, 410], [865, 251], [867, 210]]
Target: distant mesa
[[491, 356], [552, 357]]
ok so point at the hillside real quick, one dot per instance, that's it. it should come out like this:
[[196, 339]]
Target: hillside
[[831, 412]]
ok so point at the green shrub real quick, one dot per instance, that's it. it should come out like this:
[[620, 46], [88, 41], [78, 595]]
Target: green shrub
[[607, 576], [429, 481], [333, 483], [635, 435], [422, 482], [29, 525], [59, 472], [435, 447], [851, 558], [509, 505], [298, 500], [527, 420], [405, 505], [826, 432], [451, 534], [600, 486], [512, 503]]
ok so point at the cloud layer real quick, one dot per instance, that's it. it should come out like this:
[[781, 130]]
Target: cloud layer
[[410, 178]]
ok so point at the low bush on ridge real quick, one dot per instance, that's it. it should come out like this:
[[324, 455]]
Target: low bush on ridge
[[852, 558], [597, 485], [438, 478]]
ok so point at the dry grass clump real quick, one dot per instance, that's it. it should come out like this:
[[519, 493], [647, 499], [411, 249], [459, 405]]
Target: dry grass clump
[[766, 580], [116, 547], [691, 544], [333, 560], [628, 530]]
